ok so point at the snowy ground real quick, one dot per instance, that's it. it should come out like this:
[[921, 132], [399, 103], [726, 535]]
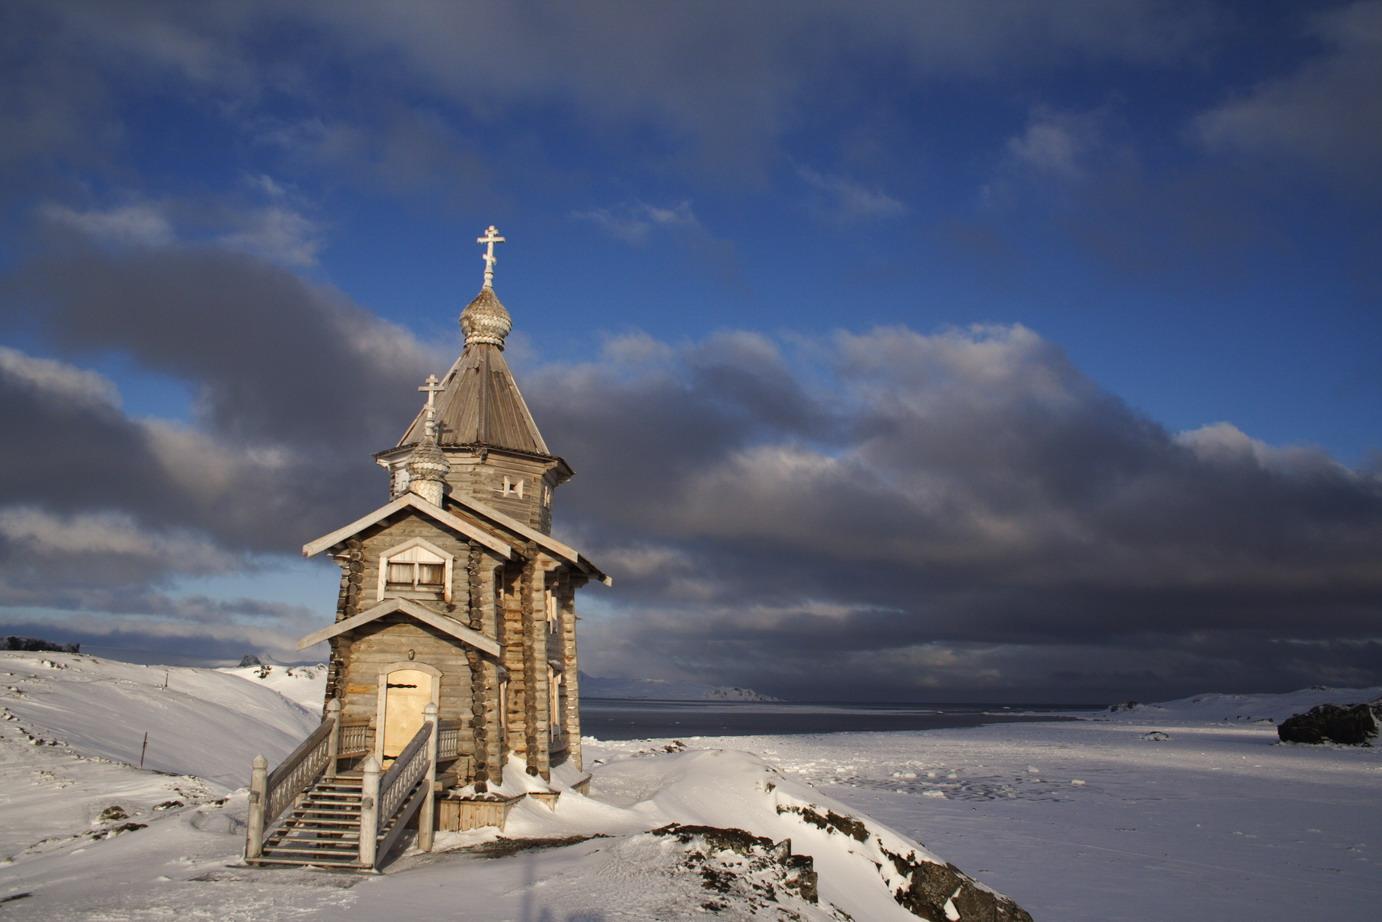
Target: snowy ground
[[1088, 820]]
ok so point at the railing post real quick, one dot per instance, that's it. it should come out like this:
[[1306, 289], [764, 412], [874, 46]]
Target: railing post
[[426, 820], [259, 788], [333, 745], [369, 812]]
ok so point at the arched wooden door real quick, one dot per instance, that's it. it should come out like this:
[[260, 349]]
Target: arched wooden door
[[403, 695]]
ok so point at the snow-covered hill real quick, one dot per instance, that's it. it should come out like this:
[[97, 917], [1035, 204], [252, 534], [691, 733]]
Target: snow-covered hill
[[1214, 708], [305, 685], [87, 834], [199, 721]]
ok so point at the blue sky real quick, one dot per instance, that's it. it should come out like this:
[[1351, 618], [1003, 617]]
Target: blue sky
[[1171, 208]]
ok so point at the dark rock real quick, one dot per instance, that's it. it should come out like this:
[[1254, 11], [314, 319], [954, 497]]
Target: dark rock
[[36, 645], [830, 820], [113, 812], [1156, 736], [772, 863], [249, 659], [1352, 724], [931, 886]]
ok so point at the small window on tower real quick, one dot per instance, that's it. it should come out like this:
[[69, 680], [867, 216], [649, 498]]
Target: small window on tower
[[512, 487]]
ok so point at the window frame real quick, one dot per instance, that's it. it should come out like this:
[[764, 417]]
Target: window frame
[[388, 590]]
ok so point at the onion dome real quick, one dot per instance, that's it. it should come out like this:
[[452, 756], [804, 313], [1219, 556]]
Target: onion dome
[[485, 320]]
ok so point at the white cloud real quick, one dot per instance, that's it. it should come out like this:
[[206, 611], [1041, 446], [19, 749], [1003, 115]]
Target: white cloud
[[1327, 112], [848, 200], [278, 234], [142, 224], [59, 378], [110, 535], [634, 222]]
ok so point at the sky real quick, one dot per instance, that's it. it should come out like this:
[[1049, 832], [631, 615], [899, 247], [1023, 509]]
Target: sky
[[923, 351]]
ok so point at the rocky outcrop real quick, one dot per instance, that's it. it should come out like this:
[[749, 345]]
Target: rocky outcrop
[[930, 890], [767, 877], [1352, 724]]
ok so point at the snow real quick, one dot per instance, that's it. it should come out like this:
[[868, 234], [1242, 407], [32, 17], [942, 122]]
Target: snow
[[1076, 820], [305, 685]]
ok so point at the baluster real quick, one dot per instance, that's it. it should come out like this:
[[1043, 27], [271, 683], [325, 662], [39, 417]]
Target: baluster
[[369, 812], [333, 745], [426, 820], [254, 834]]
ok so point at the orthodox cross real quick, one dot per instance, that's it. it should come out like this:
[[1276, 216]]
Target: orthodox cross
[[432, 388], [490, 239]]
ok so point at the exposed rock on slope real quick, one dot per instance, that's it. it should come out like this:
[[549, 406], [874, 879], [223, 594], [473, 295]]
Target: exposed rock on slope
[[1354, 725]]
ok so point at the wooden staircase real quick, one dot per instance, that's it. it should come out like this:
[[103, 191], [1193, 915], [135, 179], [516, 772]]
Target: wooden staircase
[[322, 829], [306, 812]]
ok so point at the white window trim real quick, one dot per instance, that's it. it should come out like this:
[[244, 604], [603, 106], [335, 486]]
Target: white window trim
[[383, 590]]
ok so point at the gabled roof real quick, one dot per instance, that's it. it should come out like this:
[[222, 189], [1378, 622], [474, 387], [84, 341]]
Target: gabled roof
[[418, 504], [413, 610], [546, 542], [480, 405]]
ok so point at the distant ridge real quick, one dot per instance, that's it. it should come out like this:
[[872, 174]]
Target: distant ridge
[[662, 690]]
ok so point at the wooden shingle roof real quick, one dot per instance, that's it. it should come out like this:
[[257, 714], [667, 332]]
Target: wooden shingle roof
[[480, 403]]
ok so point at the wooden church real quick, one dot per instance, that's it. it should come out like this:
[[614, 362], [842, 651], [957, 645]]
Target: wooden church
[[453, 652]]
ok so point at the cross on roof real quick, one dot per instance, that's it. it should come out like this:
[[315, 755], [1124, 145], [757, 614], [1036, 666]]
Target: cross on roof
[[432, 387], [490, 239]]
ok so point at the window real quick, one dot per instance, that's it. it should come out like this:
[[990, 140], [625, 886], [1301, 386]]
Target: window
[[416, 575], [416, 569], [512, 487]]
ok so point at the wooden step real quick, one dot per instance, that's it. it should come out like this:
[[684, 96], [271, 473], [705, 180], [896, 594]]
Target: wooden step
[[326, 821], [313, 840], [279, 851], [333, 863], [324, 810]]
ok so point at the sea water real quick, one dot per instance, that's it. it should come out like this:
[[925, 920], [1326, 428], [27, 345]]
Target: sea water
[[624, 719]]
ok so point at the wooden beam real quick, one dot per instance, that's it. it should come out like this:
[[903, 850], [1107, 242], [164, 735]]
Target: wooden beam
[[418, 504], [547, 542], [413, 610]]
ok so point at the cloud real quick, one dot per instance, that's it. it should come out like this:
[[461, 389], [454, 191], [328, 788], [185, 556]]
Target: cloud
[[1055, 143], [632, 75], [967, 491], [75, 385], [276, 234], [1325, 113], [844, 199], [143, 224], [960, 510], [635, 222]]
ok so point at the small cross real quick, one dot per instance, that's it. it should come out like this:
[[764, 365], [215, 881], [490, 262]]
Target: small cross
[[432, 388], [490, 239]]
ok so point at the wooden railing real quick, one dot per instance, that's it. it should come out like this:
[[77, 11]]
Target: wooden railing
[[449, 739], [388, 803], [356, 739], [272, 793]]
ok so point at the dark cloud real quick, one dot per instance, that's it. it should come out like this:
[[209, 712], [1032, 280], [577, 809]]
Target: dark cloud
[[983, 499], [723, 81], [1325, 113], [961, 512]]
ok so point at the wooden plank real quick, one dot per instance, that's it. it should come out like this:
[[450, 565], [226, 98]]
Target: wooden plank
[[414, 610], [421, 505]]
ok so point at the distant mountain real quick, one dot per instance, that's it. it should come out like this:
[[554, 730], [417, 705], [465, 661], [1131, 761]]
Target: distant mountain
[[660, 689]]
